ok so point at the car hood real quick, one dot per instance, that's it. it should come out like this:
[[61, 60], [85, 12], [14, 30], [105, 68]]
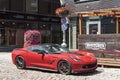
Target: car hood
[[84, 56]]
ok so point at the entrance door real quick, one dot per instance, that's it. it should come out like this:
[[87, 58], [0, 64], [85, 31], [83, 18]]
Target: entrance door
[[12, 37], [93, 27], [2, 36]]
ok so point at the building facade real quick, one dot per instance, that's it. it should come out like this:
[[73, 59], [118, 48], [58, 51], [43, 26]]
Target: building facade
[[17, 16], [93, 17]]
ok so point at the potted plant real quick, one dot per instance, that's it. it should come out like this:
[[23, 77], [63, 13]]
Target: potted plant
[[62, 11], [32, 37]]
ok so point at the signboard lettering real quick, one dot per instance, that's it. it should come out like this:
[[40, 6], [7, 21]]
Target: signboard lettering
[[95, 45]]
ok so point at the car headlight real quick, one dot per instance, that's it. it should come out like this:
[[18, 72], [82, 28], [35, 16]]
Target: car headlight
[[90, 54], [75, 59]]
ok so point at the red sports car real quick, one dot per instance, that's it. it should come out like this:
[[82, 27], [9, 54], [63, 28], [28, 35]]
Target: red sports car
[[54, 57]]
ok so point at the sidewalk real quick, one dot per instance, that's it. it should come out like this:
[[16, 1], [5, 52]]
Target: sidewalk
[[8, 48], [1, 52]]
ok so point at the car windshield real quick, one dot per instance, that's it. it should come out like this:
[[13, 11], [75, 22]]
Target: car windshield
[[54, 48]]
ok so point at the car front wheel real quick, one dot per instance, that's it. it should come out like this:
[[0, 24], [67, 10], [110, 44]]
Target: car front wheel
[[20, 62], [64, 67]]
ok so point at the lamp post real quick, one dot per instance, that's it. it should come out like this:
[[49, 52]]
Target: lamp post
[[63, 12], [63, 26]]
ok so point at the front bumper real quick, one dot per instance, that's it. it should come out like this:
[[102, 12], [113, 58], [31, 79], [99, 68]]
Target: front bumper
[[79, 68]]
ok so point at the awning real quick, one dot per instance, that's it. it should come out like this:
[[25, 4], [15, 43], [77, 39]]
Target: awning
[[101, 12]]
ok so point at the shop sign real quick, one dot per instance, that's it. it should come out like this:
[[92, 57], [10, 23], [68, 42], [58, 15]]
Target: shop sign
[[28, 17], [31, 18], [45, 19], [95, 45], [18, 16]]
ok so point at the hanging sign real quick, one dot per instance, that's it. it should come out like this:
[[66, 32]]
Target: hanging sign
[[64, 27]]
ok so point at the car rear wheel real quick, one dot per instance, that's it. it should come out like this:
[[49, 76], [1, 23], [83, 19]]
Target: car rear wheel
[[20, 62], [64, 67]]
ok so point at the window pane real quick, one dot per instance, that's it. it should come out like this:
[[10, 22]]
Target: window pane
[[4, 4], [31, 5], [108, 25], [48, 6], [17, 5]]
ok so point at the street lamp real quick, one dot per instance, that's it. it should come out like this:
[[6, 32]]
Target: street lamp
[[63, 26], [63, 12]]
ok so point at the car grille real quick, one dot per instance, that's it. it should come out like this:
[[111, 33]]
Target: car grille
[[89, 65]]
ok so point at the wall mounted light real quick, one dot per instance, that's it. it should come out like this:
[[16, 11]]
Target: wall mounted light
[[3, 22]]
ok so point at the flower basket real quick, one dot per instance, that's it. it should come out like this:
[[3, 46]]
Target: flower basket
[[63, 11], [32, 37]]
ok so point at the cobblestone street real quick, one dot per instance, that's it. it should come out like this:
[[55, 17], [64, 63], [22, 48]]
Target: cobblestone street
[[8, 71]]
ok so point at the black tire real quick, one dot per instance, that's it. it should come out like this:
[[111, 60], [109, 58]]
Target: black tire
[[64, 67], [20, 62]]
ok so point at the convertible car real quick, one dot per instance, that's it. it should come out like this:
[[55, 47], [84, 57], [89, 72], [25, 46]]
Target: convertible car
[[55, 58]]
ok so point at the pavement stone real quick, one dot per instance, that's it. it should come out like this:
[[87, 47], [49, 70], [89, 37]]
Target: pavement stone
[[8, 71]]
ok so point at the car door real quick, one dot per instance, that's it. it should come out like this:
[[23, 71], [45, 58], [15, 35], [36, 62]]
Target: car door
[[35, 58], [49, 61]]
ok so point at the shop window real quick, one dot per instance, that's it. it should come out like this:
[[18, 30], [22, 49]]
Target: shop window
[[108, 25], [2, 36]]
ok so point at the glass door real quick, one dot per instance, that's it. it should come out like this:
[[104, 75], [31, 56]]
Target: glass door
[[93, 27]]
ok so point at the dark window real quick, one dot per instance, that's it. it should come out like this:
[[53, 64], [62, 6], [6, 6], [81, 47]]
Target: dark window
[[17, 5], [31, 5], [2, 36], [4, 4], [48, 6], [119, 25], [108, 25]]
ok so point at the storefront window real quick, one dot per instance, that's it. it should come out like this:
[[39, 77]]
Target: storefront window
[[108, 25], [50, 33], [2, 36], [45, 30], [56, 33]]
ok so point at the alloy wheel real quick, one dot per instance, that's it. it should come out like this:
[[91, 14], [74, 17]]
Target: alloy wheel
[[64, 67], [20, 63]]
